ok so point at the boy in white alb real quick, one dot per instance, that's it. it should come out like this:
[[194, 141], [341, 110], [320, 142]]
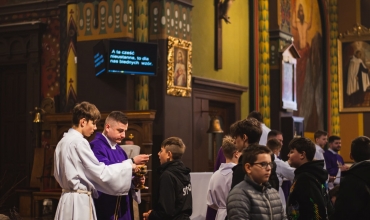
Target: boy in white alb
[[220, 182], [80, 174], [283, 169]]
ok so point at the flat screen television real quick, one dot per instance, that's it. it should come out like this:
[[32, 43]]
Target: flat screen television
[[125, 57]]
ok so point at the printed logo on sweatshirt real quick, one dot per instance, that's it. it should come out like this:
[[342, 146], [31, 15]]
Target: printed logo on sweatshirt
[[186, 189]]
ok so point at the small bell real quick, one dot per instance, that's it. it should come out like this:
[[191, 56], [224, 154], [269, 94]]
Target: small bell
[[38, 112], [214, 126], [37, 118]]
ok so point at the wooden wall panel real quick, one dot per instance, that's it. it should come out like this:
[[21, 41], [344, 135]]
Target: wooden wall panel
[[350, 130]]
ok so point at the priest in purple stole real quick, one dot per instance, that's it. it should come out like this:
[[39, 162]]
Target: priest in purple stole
[[106, 149], [334, 162]]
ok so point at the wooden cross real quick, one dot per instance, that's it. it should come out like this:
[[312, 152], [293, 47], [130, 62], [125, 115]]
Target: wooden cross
[[218, 40], [221, 9]]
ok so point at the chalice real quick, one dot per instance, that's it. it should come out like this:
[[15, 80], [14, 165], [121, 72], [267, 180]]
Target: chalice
[[141, 170]]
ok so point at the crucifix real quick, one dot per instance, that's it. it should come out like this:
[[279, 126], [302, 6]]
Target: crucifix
[[222, 7]]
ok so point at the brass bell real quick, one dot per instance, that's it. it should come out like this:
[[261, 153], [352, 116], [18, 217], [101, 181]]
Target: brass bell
[[215, 126], [38, 114], [37, 118]]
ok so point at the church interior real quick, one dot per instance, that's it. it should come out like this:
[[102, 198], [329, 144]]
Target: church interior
[[214, 62]]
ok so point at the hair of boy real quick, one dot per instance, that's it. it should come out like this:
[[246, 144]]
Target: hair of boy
[[320, 133], [175, 145], [360, 149], [333, 138], [117, 116], [250, 127], [85, 110], [273, 133], [251, 153], [255, 114], [303, 145], [273, 144], [228, 146]]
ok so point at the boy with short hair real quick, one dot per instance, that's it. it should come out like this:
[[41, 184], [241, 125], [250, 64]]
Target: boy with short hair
[[253, 198], [307, 198], [245, 132], [174, 188], [321, 138], [80, 174], [220, 182], [353, 200]]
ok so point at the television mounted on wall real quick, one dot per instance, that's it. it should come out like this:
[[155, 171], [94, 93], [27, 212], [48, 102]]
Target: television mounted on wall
[[125, 57]]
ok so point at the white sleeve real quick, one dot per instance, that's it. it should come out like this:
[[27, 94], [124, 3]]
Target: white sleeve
[[114, 179], [136, 195], [211, 197], [284, 169]]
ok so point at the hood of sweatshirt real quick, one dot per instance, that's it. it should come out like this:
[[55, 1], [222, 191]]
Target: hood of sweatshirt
[[315, 168], [177, 168], [358, 170]]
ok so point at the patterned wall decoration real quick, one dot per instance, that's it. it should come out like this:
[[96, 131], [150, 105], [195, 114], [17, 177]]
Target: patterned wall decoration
[[334, 84], [141, 20], [169, 19], [264, 56], [40, 15], [71, 56], [141, 35], [106, 19], [50, 59]]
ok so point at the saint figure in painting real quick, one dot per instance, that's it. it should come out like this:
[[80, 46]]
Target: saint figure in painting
[[180, 70], [358, 80]]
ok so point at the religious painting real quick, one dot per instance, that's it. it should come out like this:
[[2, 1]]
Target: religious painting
[[179, 67], [306, 27], [353, 72], [284, 17]]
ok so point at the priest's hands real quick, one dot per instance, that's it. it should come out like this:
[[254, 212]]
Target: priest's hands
[[141, 159], [343, 168], [146, 215], [332, 178]]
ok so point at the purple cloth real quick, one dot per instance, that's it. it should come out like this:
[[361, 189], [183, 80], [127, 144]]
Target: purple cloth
[[285, 186], [332, 162], [211, 213], [106, 205], [219, 160]]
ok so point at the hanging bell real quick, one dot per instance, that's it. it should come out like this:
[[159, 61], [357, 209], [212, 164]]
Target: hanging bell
[[215, 126], [37, 118]]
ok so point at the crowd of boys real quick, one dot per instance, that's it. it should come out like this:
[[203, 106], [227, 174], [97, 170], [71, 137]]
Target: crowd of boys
[[98, 182]]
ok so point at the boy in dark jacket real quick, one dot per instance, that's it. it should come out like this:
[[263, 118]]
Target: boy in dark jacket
[[174, 191], [245, 132], [353, 200], [253, 198], [306, 199]]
